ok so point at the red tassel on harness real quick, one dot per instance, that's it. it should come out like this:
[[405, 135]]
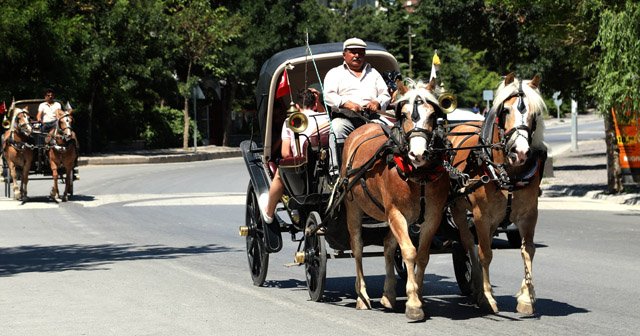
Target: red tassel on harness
[[402, 164]]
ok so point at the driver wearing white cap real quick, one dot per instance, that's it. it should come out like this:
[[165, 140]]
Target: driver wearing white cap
[[354, 85]]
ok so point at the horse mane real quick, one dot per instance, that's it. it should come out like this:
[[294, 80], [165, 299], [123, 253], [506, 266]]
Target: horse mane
[[14, 113], [536, 105], [418, 88]]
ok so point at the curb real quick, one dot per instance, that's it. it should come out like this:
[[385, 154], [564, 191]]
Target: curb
[[116, 159]]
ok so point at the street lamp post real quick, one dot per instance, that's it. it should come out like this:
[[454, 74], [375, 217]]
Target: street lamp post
[[410, 53]]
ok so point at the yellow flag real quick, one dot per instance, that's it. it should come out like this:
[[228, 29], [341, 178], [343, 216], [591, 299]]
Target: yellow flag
[[435, 66]]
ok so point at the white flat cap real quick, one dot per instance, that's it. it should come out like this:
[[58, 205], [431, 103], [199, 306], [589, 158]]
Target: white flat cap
[[354, 43]]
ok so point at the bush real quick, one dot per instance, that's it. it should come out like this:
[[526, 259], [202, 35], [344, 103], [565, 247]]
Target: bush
[[164, 129]]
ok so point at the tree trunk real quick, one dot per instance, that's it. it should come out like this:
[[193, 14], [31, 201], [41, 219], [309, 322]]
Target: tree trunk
[[186, 119], [185, 112], [228, 125], [89, 147], [614, 172]]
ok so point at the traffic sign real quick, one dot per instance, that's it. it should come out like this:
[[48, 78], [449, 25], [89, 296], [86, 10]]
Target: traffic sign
[[487, 95], [556, 99]]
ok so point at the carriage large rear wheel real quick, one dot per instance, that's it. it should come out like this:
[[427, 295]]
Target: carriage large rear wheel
[[256, 251], [463, 268], [6, 177], [315, 261]]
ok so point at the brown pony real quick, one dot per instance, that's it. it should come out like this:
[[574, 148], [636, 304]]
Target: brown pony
[[63, 151], [502, 160], [17, 150], [391, 191]]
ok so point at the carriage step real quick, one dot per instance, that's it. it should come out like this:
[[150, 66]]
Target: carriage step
[[293, 264]]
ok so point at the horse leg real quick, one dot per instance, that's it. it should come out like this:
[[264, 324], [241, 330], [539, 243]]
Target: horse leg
[[526, 296], [68, 183], [14, 180], [354, 224], [437, 192], [486, 255], [25, 179], [398, 225], [388, 299], [54, 173]]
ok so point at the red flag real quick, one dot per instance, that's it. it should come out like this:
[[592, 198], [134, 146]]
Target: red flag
[[3, 108], [283, 86]]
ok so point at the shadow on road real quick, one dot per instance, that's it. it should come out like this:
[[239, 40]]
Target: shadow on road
[[58, 258], [442, 299]]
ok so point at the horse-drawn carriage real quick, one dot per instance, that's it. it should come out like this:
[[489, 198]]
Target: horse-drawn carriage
[[312, 212], [416, 188], [28, 150]]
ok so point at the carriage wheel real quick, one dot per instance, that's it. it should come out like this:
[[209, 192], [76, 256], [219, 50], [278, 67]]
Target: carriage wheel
[[256, 251], [315, 262], [399, 265], [7, 177], [462, 268]]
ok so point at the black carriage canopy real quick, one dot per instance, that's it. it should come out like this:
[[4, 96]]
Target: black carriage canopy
[[303, 74], [31, 105]]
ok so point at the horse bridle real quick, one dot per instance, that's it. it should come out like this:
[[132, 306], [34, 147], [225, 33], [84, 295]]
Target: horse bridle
[[60, 130], [506, 138], [23, 126], [417, 131]]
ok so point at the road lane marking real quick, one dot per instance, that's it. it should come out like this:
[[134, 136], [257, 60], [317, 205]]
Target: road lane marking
[[239, 198], [583, 204]]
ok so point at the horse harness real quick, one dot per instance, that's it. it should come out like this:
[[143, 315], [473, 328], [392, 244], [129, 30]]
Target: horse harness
[[52, 138], [395, 153], [17, 145], [481, 158]]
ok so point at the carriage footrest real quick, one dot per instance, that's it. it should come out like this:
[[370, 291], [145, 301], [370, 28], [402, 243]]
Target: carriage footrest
[[292, 264]]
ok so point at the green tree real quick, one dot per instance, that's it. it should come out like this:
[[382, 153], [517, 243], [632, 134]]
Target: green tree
[[616, 86], [203, 32]]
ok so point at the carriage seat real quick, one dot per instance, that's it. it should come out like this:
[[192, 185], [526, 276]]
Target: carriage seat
[[295, 175]]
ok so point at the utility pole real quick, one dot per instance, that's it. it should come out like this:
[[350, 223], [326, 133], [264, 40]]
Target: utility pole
[[410, 53]]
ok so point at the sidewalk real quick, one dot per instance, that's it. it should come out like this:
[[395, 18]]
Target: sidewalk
[[160, 156], [582, 173]]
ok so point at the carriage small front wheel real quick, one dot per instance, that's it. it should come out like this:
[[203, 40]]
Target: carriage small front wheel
[[315, 258], [462, 268], [257, 254], [399, 265]]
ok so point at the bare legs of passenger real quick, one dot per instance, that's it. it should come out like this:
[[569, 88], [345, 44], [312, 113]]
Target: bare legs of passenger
[[268, 202]]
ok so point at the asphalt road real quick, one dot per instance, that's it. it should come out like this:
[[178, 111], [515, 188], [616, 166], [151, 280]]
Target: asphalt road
[[154, 250]]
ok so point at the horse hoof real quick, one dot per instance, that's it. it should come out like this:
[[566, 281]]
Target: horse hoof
[[388, 303], [525, 308], [488, 304], [414, 313], [363, 304]]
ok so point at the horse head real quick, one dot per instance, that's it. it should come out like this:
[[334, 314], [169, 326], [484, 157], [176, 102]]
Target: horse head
[[64, 126], [21, 122], [417, 111], [518, 107]]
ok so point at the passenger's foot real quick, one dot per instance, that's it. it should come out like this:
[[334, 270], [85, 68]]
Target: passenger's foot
[[263, 200]]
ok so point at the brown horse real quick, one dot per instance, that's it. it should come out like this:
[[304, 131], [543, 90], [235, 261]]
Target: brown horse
[[503, 159], [17, 150], [390, 190], [63, 151]]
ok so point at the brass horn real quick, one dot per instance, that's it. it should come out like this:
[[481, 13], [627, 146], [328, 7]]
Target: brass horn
[[298, 122], [6, 123], [448, 102]]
